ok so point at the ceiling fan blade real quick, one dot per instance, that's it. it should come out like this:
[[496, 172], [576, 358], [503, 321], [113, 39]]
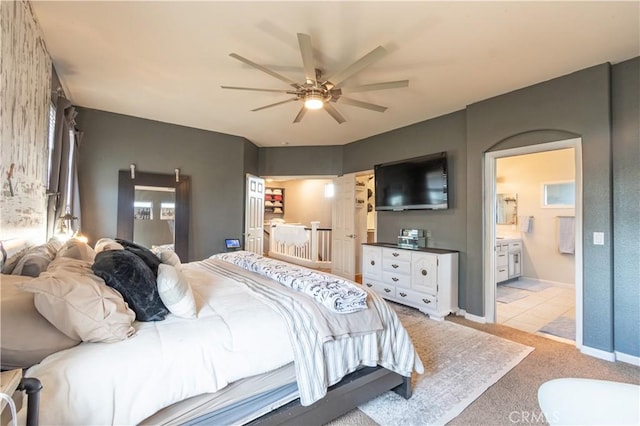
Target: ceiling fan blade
[[266, 70], [277, 103], [256, 89], [360, 104], [298, 118], [358, 65], [334, 113], [376, 86], [306, 50]]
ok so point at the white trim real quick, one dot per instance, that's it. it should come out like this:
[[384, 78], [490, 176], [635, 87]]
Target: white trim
[[474, 318], [629, 359], [598, 353], [489, 226]]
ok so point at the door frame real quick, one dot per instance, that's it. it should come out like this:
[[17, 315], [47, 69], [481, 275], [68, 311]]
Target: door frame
[[489, 226]]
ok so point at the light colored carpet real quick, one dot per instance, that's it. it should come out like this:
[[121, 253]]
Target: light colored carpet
[[460, 364]]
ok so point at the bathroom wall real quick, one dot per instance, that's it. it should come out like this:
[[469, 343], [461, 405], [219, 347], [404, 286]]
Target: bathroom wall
[[524, 175]]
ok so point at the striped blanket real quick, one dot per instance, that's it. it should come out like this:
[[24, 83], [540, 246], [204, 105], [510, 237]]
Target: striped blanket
[[327, 347], [337, 294]]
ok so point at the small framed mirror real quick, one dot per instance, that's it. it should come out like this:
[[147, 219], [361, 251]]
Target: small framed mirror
[[153, 210], [506, 209]]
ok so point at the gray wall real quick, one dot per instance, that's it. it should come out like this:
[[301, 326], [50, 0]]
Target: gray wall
[[301, 161], [625, 137], [579, 104], [446, 133], [214, 161]]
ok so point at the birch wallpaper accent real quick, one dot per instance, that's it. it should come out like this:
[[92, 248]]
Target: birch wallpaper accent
[[25, 96]]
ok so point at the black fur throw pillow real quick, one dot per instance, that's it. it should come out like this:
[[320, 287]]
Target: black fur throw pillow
[[143, 253], [127, 273]]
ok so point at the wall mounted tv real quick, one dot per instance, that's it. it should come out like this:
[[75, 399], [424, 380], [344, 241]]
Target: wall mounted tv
[[415, 184]]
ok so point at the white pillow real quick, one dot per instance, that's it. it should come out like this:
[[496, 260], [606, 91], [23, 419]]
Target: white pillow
[[169, 257], [175, 292], [107, 244]]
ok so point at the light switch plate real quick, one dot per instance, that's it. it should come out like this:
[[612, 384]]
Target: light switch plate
[[598, 238]]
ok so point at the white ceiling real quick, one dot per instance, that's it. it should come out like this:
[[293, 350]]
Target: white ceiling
[[166, 60]]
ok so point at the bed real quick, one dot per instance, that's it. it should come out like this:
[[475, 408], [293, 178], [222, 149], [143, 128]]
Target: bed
[[265, 347]]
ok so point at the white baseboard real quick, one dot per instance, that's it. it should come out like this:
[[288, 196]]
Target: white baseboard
[[629, 359], [598, 353]]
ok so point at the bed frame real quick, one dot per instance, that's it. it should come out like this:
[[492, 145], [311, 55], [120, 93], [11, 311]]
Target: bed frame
[[353, 390]]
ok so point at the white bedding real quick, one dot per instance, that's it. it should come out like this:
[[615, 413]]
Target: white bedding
[[165, 361]]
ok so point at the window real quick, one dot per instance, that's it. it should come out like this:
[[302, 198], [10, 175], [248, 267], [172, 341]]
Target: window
[[559, 194], [52, 130]]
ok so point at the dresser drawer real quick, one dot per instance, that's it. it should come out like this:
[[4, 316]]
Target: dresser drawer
[[380, 288], [396, 254], [393, 278], [515, 246], [396, 266], [417, 298]]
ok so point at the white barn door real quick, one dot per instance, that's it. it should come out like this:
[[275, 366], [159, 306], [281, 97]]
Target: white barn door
[[254, 215], [343, 240]]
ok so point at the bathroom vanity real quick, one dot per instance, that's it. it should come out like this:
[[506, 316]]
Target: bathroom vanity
[[508, 258]]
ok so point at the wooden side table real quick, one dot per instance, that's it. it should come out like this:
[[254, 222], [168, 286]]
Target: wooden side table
[[12, 380]]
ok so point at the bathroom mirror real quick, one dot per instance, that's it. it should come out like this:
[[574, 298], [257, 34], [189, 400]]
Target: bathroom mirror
[[153, 210], [506, 209]]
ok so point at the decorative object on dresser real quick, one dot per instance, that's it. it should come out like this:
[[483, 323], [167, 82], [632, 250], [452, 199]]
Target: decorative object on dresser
[[425, 278], [412, 238]]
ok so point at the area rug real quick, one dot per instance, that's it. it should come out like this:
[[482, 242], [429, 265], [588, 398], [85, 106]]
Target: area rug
[[564, 327], [460, 364], [528, 285], [508, 294]]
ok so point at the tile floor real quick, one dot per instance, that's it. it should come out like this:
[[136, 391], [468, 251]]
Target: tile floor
[[537, 309]]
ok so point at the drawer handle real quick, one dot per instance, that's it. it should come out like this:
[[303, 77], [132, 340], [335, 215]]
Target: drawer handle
[[394, 279], [387, 290], [395, 254], [369, 285], [424, 272], [403, 294], [373, 262], [427, 301], [394, 266]]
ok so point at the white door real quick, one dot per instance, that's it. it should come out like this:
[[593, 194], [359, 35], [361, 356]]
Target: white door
[[343, 235], [254, 215]]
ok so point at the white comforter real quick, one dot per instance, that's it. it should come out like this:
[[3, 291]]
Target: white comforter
[[167, 361]]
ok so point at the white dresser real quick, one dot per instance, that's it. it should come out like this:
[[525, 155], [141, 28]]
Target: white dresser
[[424, 278]]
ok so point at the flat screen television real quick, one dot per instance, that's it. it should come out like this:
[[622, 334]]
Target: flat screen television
[[415, 184]]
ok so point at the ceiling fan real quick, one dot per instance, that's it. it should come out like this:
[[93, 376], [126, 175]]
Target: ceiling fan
[[319, 92]]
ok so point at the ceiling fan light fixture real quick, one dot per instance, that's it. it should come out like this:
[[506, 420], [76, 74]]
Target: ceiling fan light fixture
[[313, 100]]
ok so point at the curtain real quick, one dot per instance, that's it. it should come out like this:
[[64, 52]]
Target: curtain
[[63, 193]]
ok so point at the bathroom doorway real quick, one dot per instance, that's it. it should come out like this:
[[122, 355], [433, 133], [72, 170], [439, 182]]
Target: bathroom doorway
[[533, 279]]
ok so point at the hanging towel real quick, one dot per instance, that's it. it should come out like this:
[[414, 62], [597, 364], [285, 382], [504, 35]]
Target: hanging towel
[[566, 234], [526, 223]]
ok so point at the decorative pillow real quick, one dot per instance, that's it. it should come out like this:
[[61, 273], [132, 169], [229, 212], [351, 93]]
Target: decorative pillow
[[175, 292], [32, 264], [79, 304], [143, 253], [169, 257], [127, 273], [76, 249], [107, 244], [11, 263], [26, 337]]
